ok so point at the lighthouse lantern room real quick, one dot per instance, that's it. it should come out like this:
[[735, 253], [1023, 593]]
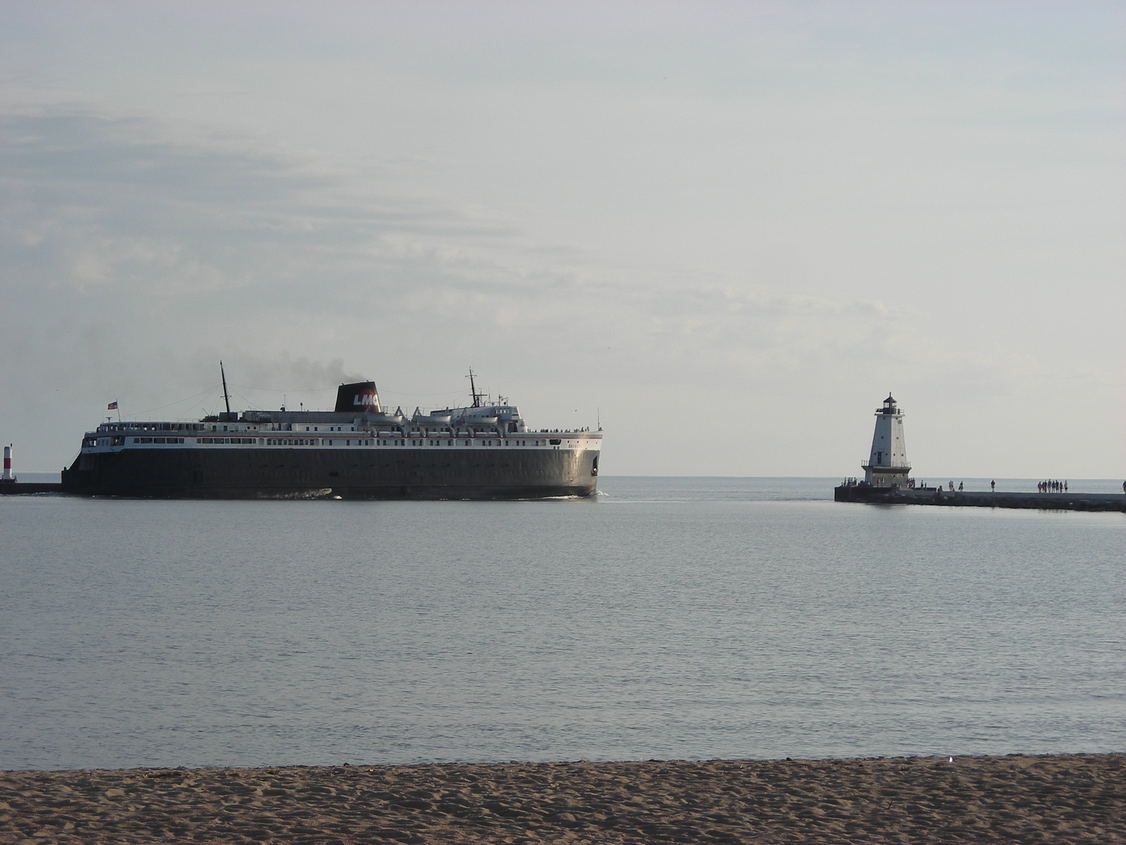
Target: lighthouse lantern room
[[887, 464]]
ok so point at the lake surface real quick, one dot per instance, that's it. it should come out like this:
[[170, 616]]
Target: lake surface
[[668, 618]]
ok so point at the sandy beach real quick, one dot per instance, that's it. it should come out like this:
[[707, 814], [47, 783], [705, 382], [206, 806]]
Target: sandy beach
[[1058, 798]]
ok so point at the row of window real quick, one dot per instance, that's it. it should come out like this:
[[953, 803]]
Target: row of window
[[152, 426], [91, 442], [314, 441]]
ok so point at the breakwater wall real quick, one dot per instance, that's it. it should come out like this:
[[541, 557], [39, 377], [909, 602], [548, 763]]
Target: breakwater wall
[[959, 498], [17, 487]]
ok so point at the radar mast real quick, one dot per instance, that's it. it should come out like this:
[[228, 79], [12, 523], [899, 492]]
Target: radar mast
[[226, 395], [473, 390]]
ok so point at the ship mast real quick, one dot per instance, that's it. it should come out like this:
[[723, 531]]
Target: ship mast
[[226, 396], [473, 390]]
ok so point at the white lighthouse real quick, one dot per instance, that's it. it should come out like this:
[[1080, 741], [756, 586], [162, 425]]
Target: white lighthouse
[[887, 464]]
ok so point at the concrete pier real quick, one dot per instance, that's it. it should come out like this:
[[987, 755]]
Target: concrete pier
[[18, 487], [959, 499]]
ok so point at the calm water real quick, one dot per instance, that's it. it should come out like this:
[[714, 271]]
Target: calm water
[[669, 618]]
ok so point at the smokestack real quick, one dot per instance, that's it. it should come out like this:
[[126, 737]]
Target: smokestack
[[357, 398]]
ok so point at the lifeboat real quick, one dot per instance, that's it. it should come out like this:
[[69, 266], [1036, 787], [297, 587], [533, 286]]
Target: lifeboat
[[430, 422]]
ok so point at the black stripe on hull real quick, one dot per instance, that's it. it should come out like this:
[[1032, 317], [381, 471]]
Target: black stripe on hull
[[432, 473]]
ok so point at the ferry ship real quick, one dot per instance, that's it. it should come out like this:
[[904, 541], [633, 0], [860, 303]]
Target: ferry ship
[[355, 451]]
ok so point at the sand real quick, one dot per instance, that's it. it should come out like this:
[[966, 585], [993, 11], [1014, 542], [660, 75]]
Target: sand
[[1057, 798]]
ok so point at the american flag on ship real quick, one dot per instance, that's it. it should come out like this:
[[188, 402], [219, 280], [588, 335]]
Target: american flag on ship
[[112, 406]]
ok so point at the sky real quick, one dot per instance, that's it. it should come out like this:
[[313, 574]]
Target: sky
[[722, 231]]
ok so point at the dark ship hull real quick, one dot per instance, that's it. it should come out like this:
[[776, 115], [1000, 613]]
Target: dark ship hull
[[405, 473]]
